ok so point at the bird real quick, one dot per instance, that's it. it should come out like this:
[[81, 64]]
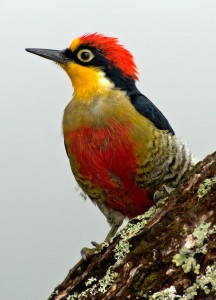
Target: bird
[[121, 147]]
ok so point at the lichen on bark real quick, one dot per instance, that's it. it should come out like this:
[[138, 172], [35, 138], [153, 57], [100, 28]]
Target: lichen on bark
[[168, 253]]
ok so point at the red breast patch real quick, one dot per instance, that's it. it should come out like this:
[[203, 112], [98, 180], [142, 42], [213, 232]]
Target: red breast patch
[[107, 158]]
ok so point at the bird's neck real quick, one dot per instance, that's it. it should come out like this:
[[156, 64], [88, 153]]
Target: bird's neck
[[90, 83], [112, 106]]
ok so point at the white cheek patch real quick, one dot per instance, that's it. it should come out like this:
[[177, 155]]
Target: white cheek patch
[[104, 82]]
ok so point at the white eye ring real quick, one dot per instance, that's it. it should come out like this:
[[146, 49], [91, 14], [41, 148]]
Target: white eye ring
[[85, 55]]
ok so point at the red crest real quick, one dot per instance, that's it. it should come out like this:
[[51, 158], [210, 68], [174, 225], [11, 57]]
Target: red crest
[[113, 51]]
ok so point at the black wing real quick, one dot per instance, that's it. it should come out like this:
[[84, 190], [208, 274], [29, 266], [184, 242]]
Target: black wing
[[145, 107]]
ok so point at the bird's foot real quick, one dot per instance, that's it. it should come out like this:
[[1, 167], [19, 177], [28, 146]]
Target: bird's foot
[[162, 193], [112, 232], [86, 253]]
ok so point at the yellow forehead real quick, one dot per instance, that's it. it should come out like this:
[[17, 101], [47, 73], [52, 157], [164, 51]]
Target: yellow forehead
[[74, 44]]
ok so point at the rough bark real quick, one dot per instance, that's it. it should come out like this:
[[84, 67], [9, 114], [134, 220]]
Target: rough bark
[[168, 253]]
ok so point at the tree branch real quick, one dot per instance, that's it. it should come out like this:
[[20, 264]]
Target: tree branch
[[167, 253]]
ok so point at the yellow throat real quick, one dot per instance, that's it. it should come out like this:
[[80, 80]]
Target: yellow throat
[[88, 82]]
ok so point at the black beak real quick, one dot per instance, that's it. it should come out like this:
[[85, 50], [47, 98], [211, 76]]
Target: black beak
[[54, 55]]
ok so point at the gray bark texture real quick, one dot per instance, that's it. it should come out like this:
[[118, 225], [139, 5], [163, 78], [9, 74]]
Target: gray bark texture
[[167, 253]]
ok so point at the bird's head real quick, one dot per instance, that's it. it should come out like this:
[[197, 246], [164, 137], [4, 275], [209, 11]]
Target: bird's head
[[94, 63]]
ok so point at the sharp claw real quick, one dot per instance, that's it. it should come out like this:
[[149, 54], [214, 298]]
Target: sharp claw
[[95, 244], [86, 253], [164, 192]]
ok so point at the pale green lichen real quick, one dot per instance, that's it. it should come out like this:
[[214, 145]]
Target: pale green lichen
[[190, 292], [188, 263], [73, 297], [93, 290], [185, 257], [90, 281], [107, 280], [148, 214], [101, 286], [122, 249], [205, 187], [167, 294], [129, 231], [205, 282]]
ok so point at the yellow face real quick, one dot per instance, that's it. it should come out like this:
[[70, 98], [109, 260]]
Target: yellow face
[[88, 81], [95, 63]]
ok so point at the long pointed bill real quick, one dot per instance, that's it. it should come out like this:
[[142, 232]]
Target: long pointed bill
[[54, 55]]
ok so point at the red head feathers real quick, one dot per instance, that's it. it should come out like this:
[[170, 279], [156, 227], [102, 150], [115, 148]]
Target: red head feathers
[[112, 50]]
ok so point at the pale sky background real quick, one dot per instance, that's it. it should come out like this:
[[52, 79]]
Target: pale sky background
[[44, 222]]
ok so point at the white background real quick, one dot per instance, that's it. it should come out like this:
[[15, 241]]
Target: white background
[[44, 222]]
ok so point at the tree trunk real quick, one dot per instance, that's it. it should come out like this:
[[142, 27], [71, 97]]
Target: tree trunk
[[167, 253]]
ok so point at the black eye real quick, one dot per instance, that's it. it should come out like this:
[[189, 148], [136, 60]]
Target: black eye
[[85, 55]]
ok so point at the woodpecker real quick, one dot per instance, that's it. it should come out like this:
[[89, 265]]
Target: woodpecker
[[120, 146]]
